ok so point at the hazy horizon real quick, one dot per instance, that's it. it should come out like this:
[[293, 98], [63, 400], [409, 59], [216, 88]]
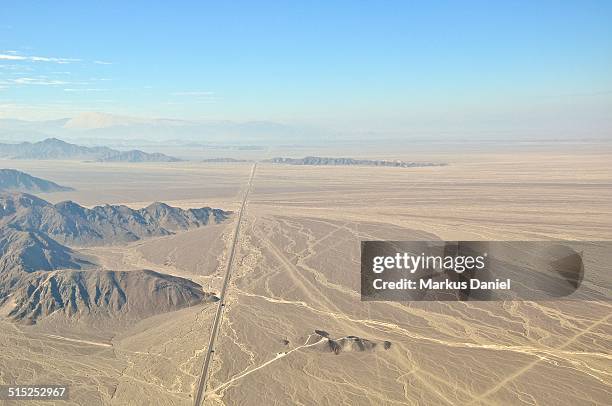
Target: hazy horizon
[[471, 69]]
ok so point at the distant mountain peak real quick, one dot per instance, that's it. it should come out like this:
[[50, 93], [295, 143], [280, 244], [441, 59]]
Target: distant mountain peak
[[11, 179], [54, 148], [52, 141], [158, 205]]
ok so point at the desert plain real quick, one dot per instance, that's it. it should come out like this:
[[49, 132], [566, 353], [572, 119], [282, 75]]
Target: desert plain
[[296, 270]]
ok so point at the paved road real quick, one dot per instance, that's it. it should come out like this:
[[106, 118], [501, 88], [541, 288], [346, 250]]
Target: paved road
[[221, 303]]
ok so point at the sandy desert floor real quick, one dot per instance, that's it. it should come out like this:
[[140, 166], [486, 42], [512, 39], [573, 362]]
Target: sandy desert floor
[[297, 269]]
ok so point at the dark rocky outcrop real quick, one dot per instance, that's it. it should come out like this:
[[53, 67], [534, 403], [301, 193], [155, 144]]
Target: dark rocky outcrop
[[221, 160], [348, 344], [326, 161], [139, 156]]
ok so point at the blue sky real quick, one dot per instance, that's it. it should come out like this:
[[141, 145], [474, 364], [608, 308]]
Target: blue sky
[[430, 66]]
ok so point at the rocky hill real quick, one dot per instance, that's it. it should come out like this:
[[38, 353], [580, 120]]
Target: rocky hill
[[99, 294], [348, 344], [24, 252], [31, 251], [11, 179], [326, 161]]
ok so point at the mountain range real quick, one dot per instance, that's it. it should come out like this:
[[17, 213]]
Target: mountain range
[[70, 223], [53, 148], [13, 180], [43, 277]]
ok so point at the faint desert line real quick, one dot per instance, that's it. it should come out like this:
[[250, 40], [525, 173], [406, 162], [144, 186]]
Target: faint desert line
[[527, 367], [106, 345], [75, 340], [276, 358], [398, 329], [521, 349]]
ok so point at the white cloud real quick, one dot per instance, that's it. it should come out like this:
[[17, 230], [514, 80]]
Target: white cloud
[[39, 81], [102, 63], [10, 56]]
